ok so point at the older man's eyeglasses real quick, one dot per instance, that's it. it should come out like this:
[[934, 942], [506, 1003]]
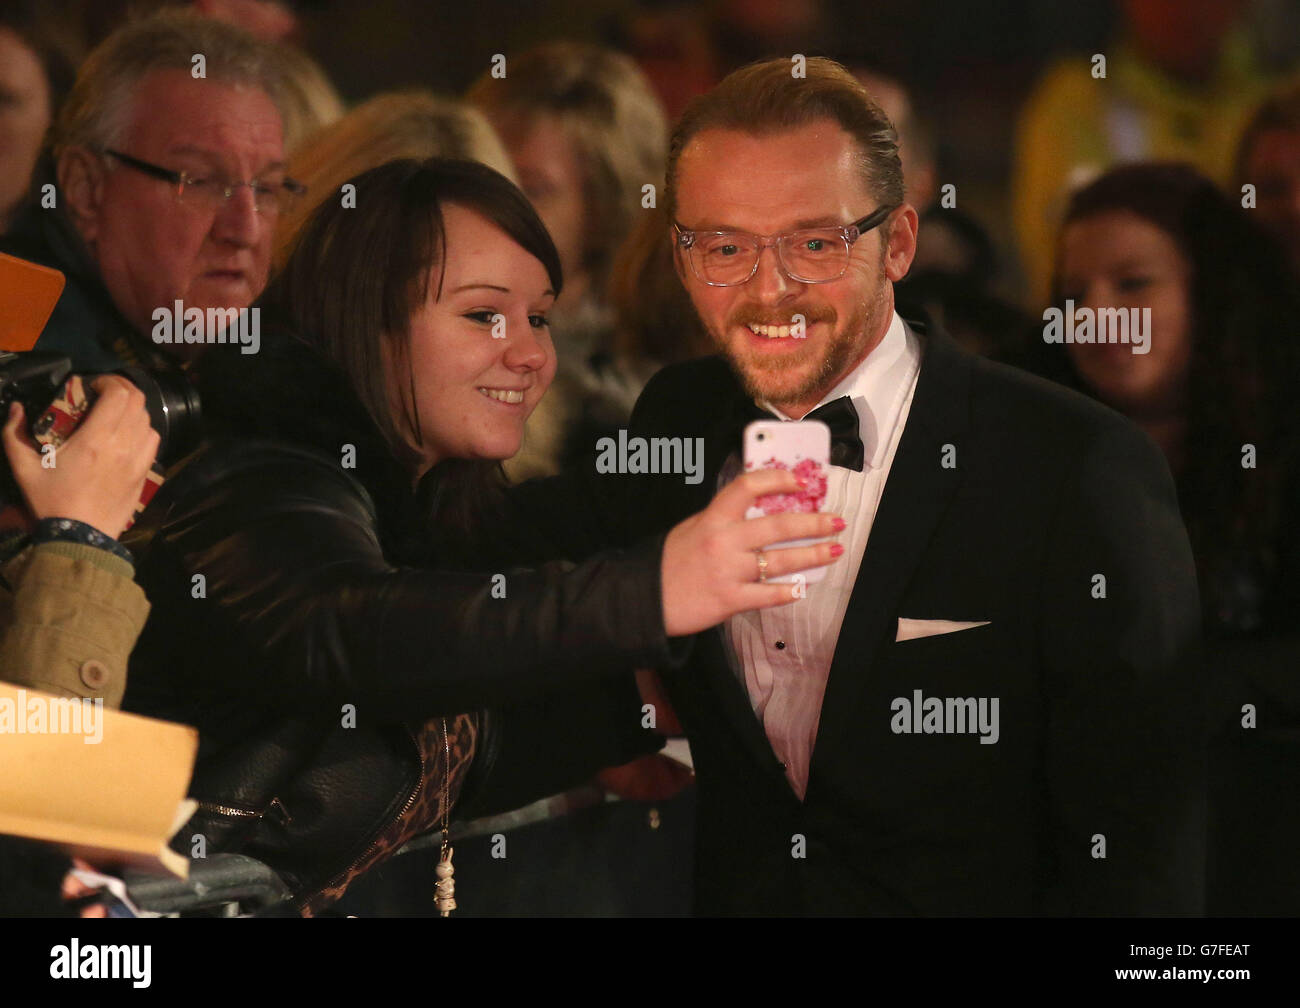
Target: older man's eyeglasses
[[269, 197], [810, 255]]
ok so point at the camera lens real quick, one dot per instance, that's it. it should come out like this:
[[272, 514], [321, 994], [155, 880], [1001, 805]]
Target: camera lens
[[173, 405]]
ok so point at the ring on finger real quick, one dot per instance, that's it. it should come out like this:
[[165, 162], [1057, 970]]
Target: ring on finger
[[762, 566]]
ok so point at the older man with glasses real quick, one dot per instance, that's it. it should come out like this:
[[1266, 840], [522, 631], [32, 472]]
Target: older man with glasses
[[169, 175], [991, 705]]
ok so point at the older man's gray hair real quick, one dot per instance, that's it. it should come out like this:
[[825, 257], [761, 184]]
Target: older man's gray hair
[[97, 111]]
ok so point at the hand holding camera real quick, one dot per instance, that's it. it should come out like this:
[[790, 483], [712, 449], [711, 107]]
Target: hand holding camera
[[96, 476]]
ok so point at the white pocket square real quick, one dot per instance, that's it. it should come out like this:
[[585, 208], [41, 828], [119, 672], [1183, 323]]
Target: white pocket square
[[911, 629]]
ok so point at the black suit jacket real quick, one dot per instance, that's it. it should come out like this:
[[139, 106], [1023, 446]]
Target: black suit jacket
[[1090, 802]]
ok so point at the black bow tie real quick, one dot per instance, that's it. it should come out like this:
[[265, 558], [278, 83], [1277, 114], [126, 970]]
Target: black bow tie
[[840, 416]]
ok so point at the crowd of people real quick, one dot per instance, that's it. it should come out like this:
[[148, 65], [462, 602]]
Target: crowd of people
[[394, 508]]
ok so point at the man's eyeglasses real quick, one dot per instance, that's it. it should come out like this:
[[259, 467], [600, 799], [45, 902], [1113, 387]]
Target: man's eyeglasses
[[269, 198], [812, 255]]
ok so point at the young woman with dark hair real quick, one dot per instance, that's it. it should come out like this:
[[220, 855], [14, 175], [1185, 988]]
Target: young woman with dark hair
[[307, 616], [36, 71], [1215, 389]]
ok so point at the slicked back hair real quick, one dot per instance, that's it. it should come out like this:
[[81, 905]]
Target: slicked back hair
[[767, 98]]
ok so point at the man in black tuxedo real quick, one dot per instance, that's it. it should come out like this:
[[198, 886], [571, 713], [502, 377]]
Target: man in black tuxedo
[[991, 703]]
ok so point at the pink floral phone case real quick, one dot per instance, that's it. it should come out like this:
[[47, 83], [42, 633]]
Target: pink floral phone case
[[804, 448]]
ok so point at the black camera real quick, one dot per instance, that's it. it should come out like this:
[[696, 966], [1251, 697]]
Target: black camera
[[35, 378]]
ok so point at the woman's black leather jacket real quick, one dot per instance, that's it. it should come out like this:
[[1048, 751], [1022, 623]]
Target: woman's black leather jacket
[[287, 629]]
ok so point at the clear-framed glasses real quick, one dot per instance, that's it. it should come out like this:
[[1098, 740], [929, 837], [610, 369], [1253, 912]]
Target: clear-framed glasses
[[810, 255], [269, 197]]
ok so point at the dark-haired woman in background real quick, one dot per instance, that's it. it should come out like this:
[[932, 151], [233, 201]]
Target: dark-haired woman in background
[[1216, 390], [36, 71], [336, 677]]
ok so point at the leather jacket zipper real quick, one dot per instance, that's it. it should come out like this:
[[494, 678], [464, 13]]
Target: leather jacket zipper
[[230, 810], [302, 901]]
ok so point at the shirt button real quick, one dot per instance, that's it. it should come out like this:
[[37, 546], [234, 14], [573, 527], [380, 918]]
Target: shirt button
[[780, 645], [94, 674]]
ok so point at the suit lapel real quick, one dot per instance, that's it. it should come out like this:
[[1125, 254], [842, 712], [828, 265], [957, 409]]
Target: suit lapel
[[917, 492]]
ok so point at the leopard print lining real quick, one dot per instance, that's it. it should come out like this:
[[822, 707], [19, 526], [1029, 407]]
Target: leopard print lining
[[425, 815]]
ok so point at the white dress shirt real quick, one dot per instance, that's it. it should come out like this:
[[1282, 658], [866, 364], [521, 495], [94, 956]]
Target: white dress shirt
[[783, 655]]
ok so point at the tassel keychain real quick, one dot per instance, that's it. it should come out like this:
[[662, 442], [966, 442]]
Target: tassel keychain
[[445, 888]]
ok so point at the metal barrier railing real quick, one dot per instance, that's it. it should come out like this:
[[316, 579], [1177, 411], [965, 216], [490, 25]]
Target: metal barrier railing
[[220, 881], [241, 885]]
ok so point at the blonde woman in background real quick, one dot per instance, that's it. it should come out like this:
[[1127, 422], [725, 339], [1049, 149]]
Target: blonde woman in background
[[586, 134], [387, 127], [310, 101], [588, 139]]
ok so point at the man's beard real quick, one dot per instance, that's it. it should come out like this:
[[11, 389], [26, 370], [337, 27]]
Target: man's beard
[[779, 380]]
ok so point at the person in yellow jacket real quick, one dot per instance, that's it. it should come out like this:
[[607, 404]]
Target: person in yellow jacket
[[70, 610], [1178, 86]]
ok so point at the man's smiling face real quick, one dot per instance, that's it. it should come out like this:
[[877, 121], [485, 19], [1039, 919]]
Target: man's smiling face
[[771, 184]]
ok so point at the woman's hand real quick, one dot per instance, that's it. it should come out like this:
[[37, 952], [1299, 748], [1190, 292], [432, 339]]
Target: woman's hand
[[710, 568], [97, 475]]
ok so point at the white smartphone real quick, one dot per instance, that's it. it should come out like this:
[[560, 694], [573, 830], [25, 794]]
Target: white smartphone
[[804, 448]]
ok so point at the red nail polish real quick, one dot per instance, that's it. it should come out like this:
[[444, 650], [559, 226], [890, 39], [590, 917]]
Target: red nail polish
[[838, 524], [836, 549]]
